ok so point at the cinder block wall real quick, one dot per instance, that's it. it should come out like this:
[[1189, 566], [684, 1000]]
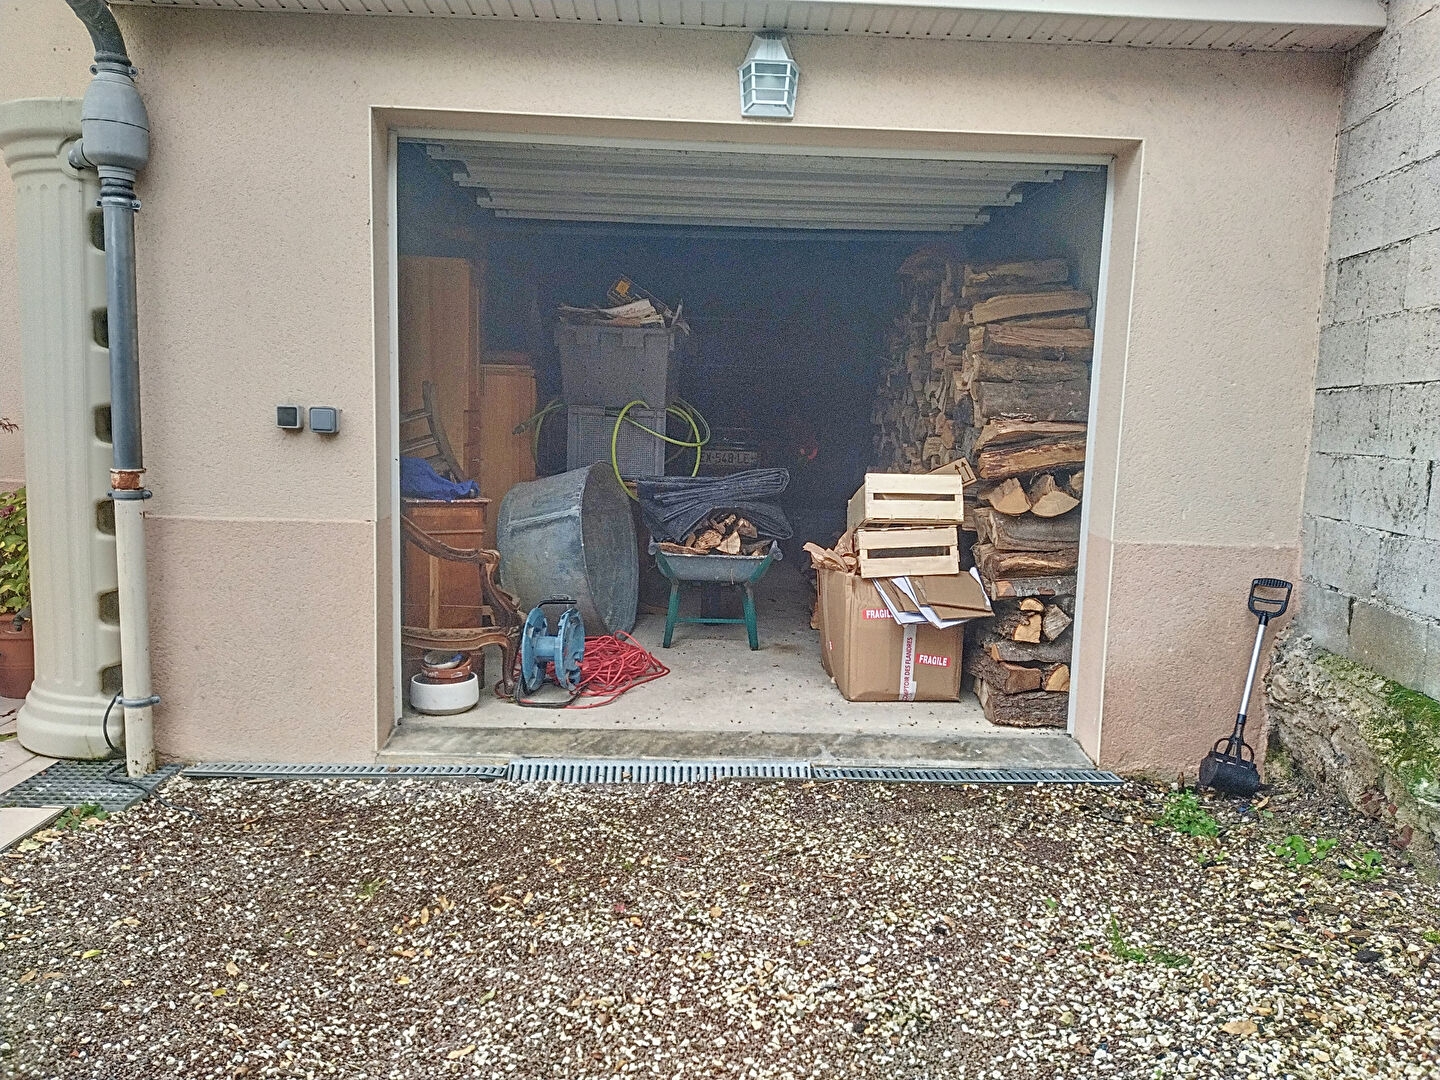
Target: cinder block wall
[[1371, 562]]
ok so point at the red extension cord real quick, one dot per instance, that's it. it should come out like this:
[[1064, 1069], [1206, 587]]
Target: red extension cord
[[612, 664]]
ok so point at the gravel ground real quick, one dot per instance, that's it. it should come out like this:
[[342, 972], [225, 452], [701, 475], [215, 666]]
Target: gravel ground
[[433, 929]]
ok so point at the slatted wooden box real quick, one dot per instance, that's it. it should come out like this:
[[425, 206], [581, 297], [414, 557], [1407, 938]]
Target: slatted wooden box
[[909, 499], [895, 551]]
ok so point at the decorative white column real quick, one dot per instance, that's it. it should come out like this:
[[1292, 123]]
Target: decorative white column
[[67, 395]]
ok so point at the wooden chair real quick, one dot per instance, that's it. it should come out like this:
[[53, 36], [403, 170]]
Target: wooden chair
[[500, 616], [429, 442]]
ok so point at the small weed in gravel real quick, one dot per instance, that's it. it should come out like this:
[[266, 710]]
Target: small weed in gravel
[[1184, 815]]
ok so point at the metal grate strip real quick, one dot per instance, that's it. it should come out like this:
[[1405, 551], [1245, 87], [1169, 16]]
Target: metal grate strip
[[75, 783], [245, 770], [921, 775], [640, 771]]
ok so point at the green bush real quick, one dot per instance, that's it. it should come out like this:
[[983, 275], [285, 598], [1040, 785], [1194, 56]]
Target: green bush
[[14, 553]]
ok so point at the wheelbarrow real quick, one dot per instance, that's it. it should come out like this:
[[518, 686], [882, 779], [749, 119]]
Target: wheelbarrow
[[742, 571]]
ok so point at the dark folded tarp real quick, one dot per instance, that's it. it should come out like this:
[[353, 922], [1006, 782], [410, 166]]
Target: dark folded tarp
[[673, 505]]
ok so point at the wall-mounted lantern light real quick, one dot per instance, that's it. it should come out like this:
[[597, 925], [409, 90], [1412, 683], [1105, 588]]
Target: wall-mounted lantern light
[[768, 78]]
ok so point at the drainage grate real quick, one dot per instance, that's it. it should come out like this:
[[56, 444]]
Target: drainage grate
[[911, 775], [227, 770], [75, 783], [639, 771]]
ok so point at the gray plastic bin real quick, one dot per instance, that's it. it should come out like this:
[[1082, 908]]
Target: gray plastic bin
[[615, 365], [589, 428]]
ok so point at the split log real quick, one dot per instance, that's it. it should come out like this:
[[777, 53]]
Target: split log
[[1077, 321], [1054, 623], [1035, 272], [1008, 497], [1019, 625], [1056, 679], [1036, 342], [1065, 401], [730, 545], [1047, 500], [994, 368], [1075, 484], [999, 564], [1034, 709], [709, 540], [1019, 587], [1027, 533], [1005, 677], [1025, 652], [747, 529], [1006, 432], [1006, 461], [1032, 603], [1015, 305]]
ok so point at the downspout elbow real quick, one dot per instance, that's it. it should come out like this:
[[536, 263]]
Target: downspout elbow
[[104, 31]]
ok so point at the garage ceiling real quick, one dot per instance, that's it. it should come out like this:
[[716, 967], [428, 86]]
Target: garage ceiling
[[684, 186], [1285, 25]]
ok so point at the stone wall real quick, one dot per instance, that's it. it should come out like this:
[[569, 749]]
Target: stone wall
[[1359, 734], [1371, 566]]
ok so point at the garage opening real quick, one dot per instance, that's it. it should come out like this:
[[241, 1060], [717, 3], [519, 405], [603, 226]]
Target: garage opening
[[817, 317]]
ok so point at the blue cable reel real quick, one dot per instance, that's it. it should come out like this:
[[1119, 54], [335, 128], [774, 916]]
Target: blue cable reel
[[565, 648]]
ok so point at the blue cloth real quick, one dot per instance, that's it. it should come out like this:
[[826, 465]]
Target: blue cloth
[[419, 481]]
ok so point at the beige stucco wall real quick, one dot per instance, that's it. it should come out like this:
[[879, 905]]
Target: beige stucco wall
[[263, 231]]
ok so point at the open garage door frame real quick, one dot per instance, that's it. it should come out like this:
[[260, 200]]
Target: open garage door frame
[[1026, 154]]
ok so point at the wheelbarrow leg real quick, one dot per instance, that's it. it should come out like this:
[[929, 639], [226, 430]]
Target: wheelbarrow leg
[[673, 614], [750, 626]]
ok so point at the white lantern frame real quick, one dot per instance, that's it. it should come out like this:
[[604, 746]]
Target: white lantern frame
[[769, 78]]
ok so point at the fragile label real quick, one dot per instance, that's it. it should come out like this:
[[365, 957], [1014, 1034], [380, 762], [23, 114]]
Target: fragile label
[[878, 613], [932, 661]]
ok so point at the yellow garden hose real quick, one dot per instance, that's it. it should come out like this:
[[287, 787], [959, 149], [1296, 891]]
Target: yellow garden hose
[[681, 409]]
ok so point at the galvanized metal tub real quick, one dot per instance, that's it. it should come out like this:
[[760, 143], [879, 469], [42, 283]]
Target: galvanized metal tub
[[572, 536]]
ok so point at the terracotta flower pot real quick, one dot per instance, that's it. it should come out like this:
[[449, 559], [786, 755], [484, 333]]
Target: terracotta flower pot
[[17, 657]]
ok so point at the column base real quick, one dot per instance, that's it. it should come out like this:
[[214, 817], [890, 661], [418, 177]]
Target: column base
[[63, 725]]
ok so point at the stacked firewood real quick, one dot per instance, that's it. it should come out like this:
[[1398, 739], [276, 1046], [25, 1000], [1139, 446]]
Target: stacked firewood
[[992, 363], [720, 533]]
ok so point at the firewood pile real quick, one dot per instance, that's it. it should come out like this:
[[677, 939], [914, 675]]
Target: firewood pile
[[720, 534], [992, 363]]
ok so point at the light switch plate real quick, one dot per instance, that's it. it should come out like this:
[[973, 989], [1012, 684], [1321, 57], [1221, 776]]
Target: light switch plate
[[324, 420]]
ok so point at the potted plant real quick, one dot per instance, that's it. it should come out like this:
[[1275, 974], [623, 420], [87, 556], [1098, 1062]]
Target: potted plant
[[17, 645]]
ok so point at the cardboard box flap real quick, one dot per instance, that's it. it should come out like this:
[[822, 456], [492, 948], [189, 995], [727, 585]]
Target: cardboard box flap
[[953, 596]]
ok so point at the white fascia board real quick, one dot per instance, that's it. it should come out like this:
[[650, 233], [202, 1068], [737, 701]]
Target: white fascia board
[[1263, 25], [1355, 14]]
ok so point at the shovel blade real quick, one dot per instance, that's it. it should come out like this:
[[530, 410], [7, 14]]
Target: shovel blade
[[1231, 775]]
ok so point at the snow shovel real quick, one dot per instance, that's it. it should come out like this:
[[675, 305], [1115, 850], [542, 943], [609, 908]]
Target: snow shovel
[[1230, 765]]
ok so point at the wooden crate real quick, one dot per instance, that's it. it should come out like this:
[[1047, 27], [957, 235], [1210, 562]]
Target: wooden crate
[[908, 499], [892, 552]]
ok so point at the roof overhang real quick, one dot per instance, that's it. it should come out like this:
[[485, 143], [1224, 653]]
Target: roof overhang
[[1265, 25]]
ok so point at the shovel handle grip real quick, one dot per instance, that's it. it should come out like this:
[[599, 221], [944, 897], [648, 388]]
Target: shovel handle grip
[[1269, 597]]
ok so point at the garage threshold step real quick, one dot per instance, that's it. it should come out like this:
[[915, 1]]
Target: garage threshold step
[[996, 748], [650, 771]]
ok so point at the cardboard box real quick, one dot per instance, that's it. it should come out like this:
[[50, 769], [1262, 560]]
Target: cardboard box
[[873, 659]]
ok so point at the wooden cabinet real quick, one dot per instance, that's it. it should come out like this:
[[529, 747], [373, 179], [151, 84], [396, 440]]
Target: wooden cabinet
[[500, 399], [451, 589], [441, 301]]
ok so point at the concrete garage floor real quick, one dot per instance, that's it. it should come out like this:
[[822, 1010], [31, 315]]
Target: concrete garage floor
[[722, 700]]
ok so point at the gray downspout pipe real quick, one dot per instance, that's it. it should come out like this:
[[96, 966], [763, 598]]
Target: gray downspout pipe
[[115, 142]]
